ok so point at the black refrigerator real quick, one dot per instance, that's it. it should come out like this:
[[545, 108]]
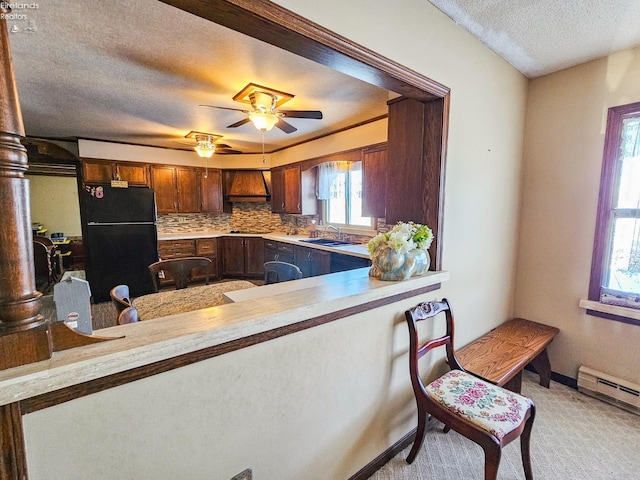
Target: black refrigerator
[[121, 239]]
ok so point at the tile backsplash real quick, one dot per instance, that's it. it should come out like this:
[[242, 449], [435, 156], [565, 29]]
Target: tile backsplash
[[246, 217]]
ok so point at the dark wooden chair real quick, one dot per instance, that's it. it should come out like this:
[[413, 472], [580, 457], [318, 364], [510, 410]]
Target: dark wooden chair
[[128, 315], [120, 297], [489, 415], [45, 261], [275, 272], [180, 269]]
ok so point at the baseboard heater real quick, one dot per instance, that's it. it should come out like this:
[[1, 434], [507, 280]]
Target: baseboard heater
[[610, 389]]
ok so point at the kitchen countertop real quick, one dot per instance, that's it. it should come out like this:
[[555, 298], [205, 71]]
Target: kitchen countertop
[[357, 250]]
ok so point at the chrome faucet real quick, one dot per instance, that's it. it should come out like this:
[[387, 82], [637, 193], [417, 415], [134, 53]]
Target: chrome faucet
[[337, 229]]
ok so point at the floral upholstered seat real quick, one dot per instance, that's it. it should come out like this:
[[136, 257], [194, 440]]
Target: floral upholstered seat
[[494, 409]]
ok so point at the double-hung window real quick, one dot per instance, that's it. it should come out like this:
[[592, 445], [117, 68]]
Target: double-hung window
[[615, 269], [340, 185]]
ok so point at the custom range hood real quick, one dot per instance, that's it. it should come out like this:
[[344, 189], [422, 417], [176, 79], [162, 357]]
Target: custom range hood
[[247, 185]]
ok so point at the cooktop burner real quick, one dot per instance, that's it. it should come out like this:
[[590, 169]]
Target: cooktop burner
[[246, 231]]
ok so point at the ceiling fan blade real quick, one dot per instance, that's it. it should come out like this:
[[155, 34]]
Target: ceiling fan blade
[[237, 124], [228, 152], [314, 114], [221, 146], [285, 127], [225, 108]]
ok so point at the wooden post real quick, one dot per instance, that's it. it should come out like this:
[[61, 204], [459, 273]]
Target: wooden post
[[24, 333]]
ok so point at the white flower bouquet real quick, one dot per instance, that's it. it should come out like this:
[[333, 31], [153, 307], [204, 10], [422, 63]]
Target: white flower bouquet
[[401, 252]]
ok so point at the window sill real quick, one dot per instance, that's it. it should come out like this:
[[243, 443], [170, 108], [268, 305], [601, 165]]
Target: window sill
[[612, 312]]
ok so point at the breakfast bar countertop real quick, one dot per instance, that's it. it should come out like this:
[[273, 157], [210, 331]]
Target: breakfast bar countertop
[[171, 302]]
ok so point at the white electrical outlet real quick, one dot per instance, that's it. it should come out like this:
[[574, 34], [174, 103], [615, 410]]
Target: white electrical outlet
[[244, 475], [182, 220]]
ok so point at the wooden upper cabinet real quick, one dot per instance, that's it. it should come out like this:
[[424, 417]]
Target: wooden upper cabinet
[[177, 189], [292, 189], [277, 190], [374, 181], [137, 175], [415, 184], [103, 171], [187, 180], [97, 171], [211, 191], [163, 182]]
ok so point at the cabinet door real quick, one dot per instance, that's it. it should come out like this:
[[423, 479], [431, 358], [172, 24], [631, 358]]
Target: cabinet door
[[211, 190], [163, 181], [270, 250], [233, 256], [302, 258], [292, 179], [207, 247], [137, 175], [285, 252], [97, 172], [188, 190], [254, 256], [277, 190], [374, 182], [320, 262]]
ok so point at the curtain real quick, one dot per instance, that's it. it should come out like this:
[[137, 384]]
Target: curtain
[[328, 172]]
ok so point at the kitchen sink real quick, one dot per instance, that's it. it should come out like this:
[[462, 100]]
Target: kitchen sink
[[326, 241]]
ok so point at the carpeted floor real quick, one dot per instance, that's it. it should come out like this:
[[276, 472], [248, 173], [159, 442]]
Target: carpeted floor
[[575, 437], [103, 315]]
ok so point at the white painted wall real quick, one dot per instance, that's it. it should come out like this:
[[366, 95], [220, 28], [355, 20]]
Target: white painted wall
[[566, 120], [54, 203]]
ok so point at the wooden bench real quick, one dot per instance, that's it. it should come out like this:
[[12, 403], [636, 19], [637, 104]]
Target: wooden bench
[[500, 355]]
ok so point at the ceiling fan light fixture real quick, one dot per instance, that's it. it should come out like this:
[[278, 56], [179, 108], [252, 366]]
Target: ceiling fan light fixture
[[263, 121], [205, 147]]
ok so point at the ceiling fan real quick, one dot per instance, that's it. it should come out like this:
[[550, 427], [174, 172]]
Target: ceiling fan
[[206, 144], [263, 114]]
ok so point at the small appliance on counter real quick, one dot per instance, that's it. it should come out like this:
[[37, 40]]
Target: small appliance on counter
[[58, 237]]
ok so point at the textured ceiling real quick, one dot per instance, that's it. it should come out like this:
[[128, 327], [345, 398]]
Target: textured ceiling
[[137, 73], [543, 36]]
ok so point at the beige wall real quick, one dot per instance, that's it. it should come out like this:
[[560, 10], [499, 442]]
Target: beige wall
[[486, 134], [324, 402], [54, 204], [315, 405], [566, 119]]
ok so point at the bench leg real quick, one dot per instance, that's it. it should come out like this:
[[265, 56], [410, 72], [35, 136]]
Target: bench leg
[[543, 368], [515, 384]]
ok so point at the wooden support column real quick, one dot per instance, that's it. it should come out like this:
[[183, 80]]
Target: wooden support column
[[13, 464], [24, 333]]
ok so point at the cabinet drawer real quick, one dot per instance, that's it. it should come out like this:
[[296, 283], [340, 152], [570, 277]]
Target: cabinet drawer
[[270, 244], [206, 246], [285, 248], [176, 248]]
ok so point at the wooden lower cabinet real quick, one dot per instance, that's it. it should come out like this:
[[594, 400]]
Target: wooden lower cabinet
[[174, 249], [207, 247], [312, 262], [243, 256], [280, 251]]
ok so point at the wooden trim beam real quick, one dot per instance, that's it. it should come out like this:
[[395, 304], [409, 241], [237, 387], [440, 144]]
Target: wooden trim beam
[[282, 28]]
